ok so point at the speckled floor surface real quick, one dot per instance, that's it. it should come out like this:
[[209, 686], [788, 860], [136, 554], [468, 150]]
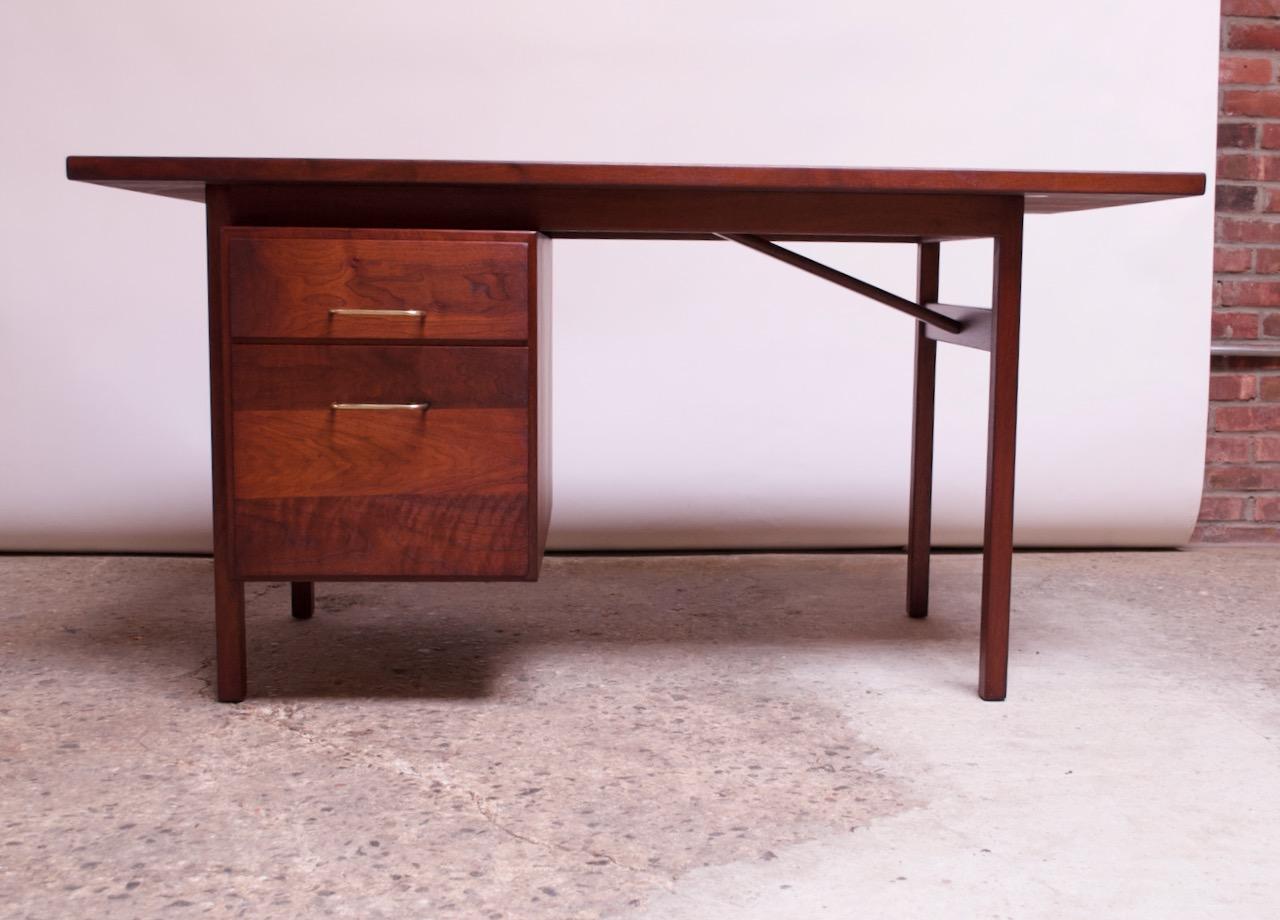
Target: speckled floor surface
[[661, 738]]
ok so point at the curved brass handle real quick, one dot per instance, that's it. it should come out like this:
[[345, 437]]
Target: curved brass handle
[[411, 407]]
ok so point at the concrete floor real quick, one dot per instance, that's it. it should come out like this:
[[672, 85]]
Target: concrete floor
[[659, 738]]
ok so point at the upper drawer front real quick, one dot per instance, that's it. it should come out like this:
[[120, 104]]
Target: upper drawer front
[[429, 286]]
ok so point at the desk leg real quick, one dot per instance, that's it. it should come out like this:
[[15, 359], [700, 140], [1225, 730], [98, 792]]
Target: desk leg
[[228, 593], [920, 514], [997, 541], [228, 599], [303, 599]]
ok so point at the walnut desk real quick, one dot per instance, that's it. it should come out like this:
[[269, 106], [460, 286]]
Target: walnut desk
[[379, 345]]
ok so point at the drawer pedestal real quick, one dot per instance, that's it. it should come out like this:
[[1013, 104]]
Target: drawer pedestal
[[380, 409]]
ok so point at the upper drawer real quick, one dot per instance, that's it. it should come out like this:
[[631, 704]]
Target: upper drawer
[[403, 285]]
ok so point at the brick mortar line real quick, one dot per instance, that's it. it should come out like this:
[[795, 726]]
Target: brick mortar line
[[1241, 522], [1247, 310], [1245, 494]]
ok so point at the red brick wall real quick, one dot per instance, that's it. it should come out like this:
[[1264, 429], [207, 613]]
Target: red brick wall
[[1242, 469]]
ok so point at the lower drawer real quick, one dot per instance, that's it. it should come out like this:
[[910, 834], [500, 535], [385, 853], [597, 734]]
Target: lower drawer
[[369, 491]]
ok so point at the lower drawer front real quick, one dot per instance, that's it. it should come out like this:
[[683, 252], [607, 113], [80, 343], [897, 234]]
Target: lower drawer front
[[323, 492]]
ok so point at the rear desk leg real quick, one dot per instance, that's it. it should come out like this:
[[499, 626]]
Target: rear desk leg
[[304, 599], [918, 518]]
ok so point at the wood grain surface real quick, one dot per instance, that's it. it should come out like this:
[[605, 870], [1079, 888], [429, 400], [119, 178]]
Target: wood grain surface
[[381, 492], [384, 536], [315, 376], [284, 283], [186, 177], [321, 452]]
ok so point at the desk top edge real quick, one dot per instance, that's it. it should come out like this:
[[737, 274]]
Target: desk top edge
[[1045, 191]]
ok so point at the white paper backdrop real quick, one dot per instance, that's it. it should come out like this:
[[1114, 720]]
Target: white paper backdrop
[[704, 395]]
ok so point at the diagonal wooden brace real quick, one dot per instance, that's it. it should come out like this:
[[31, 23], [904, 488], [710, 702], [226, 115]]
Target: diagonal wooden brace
[[857, 285]]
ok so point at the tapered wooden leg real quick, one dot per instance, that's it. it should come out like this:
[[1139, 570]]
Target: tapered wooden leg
[[228, 593], [997, 541], [304, 599], [228, 598], [919, 516]]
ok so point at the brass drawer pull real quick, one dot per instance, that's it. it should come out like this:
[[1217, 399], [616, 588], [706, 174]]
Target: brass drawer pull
[[411, 407], [354, 312]]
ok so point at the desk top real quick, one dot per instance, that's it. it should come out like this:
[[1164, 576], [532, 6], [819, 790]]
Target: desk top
[[1043, 192]]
